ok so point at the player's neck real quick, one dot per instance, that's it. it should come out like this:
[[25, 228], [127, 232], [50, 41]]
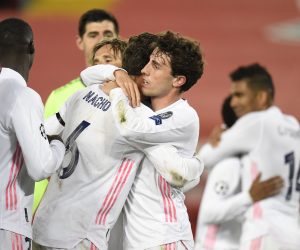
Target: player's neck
[[158, 103]]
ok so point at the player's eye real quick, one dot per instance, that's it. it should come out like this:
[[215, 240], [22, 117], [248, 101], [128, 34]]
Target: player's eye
[[108, 34]]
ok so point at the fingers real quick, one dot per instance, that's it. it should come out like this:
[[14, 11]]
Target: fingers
[[273, 183], [264, 189], [129, 87], [134, 94], [271, 187], [257, 178]]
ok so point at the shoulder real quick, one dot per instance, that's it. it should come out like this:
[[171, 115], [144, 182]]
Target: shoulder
[[68, 88], [60, 95], [288, 119], [182, 110], [249, 120], [228, 166], [17, 86], [12, 76]]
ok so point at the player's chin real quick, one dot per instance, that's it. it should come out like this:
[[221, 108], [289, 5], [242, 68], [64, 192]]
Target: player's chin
[[146, 91]]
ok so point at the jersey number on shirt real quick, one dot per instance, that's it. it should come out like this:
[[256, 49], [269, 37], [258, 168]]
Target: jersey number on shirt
[[72, 154], [290, 160]]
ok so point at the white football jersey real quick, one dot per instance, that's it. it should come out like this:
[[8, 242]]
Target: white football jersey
[[155, 213], [25, 153], [85, 198], [272, 141], [222, 208]]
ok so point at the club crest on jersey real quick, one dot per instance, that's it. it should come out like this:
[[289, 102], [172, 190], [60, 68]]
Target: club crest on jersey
[[43, 132], [221, 188], [158, 118]]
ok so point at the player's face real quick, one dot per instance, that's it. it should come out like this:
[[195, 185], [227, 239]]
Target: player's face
[[94, 33], [105, 55], [244, 100], [158, 81]]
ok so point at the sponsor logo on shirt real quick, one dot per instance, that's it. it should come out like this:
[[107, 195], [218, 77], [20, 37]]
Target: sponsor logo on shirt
[[97, 101]]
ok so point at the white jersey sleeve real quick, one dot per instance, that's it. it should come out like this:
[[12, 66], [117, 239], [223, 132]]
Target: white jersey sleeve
[[223, 200], [178, 171], [239, 139], [144, 128], [98, 74], [40, 159]]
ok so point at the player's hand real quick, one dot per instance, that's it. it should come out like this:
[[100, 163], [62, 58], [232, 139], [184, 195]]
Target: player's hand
[[129, 87], [263, 189], [215, 136], [54, 137], [108, 86]]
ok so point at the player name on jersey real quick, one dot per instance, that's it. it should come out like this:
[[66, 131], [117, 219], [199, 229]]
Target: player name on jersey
[[97, 101], [284, 131]]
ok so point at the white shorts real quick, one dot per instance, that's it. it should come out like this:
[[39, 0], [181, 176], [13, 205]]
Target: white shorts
[[12, 241], [83, 245], [179, 245]]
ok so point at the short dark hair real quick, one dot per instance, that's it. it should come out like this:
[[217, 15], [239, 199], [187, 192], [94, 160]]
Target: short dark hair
[[185, 57], [16, 35], [257, 78], [96, 15], [117, 45], [138, 52], [228, 115]]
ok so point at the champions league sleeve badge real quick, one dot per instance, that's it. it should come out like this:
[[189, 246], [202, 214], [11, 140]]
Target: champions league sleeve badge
[[158, 118], [221, 188]]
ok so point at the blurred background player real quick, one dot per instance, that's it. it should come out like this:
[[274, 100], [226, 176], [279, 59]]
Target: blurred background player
[[270, 140], [94, 26], [25, 152], [223, 203]]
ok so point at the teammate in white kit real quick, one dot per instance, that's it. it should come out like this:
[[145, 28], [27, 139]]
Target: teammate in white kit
[[155, 213], [86, 198], [25, 153], [271, 141], [223, 203]]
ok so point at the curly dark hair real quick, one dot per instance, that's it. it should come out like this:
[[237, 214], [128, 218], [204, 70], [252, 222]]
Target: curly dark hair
[[117, 45], [185, 57], [257, 78], [138, 52]]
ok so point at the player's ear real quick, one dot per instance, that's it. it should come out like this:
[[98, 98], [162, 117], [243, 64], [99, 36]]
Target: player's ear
[[79, 42], [262, 99], [179, 81]]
